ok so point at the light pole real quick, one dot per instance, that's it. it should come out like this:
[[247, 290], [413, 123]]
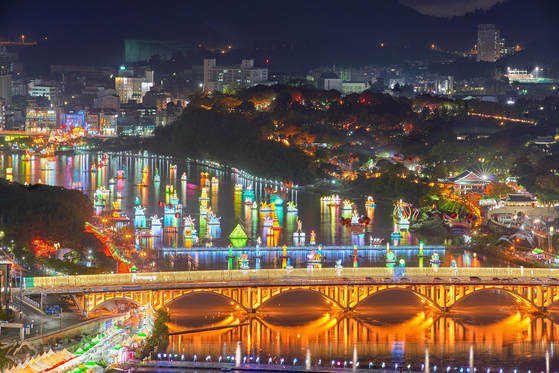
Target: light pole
[[41, 331], [550, 239]]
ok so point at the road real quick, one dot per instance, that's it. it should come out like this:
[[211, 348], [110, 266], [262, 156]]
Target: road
[[50, 324]]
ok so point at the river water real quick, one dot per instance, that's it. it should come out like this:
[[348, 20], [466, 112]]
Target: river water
[[316, 215], [484, 331]]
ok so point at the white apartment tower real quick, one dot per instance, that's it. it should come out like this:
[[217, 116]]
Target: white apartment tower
[[489, 43], [244, 75], [130, 87]]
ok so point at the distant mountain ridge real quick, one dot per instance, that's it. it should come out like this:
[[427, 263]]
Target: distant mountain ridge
[[352, 30]]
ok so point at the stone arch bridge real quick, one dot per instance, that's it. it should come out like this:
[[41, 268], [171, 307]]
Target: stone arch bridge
[[346, 297], [346, 289]]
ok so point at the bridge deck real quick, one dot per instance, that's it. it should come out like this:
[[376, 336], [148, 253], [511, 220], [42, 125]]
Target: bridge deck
[[283, 277]]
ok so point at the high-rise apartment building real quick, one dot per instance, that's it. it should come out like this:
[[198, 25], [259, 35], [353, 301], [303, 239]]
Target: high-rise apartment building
[[2, 113], [489, 43], [244, 75], [6, 86], [130, 87]]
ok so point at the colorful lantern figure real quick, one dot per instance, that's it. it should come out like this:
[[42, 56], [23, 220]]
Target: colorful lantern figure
[[390, 259], [450, 215], [435, 261], [403, 210]]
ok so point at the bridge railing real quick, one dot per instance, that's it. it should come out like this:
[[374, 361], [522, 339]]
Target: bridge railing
[[414, 274]]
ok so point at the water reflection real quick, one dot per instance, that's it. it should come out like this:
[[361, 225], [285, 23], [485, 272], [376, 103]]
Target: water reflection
[[316, 215], [484, 332], [71, 171]]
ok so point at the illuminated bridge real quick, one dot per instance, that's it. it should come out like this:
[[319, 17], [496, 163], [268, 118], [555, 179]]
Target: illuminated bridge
[[344, 288]]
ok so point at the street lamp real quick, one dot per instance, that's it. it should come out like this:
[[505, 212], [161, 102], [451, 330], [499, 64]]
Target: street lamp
[[550, 239]]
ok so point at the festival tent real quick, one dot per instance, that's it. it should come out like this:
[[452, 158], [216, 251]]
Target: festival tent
[[44, 362]]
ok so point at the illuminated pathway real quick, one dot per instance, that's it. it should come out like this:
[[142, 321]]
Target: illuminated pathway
[[188, 250]]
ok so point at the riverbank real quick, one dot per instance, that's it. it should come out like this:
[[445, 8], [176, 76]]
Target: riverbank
[[161, 365]]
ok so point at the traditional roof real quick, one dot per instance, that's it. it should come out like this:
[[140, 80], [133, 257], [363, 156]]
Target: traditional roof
[[544, 140], [521, 198], [468, 178]]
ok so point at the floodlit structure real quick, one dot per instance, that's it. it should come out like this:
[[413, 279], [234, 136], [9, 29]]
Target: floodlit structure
[[468, 181], [42, 119], [6, 86], [130, 87], [329, 80], [244, 75], [489, 43]]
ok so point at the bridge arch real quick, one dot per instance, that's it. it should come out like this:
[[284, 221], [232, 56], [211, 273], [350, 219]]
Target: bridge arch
[[117, 299], [554, 303], [186, 293], [514, 294], [291, 290], [414, 292]]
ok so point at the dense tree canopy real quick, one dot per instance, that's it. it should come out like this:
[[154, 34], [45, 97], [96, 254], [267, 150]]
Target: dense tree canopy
[[298, 132], [43, 212]]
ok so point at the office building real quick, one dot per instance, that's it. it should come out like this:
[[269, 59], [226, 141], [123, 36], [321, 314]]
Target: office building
[[224, 78], [19, 88], [329, 80], [158, 100], [5, 282], [74, 119], [4, 60], [2, 113], [107, 99], [350, 87], [489, 43], [91, 73], [42, 119], [130, 87], [47, 89], [101, 122], [6, 86]]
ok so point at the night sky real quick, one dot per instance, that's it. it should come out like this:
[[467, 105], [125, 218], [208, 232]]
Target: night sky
[[447, 8], [324, 32]]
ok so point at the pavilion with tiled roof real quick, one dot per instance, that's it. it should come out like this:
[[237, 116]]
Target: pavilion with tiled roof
[[468, 181]]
